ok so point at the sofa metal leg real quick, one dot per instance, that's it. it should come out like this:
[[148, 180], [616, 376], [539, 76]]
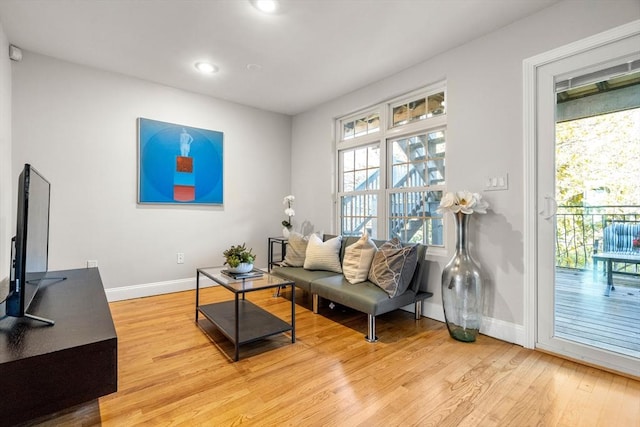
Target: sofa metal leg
[[371, 333], [418, 309], [315, 302]]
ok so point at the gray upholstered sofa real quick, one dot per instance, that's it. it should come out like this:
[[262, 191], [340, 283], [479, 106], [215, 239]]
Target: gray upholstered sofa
[[365, 296]]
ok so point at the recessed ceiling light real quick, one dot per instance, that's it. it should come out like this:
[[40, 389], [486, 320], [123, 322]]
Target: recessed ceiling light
[[207, 68], [266, 6]]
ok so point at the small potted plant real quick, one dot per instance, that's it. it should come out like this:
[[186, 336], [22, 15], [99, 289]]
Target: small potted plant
[[239, 259]]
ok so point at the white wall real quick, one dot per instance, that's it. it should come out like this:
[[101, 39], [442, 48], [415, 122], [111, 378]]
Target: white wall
[[6, 232], [77, 126], [485, 138]]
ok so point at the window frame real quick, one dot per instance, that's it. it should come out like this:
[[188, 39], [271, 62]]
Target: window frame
[[382, 138]]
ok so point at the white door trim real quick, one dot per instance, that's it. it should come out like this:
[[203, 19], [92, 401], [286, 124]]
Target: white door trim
[[530, 71]]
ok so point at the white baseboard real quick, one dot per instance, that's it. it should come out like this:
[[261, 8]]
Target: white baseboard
[[495, 328], [151, 289], [432, 311], [505, 331], [491, 327]]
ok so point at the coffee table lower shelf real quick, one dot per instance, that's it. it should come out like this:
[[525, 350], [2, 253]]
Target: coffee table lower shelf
[[254, 323]]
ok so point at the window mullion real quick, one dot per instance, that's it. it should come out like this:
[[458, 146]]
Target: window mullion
[[382, 202]]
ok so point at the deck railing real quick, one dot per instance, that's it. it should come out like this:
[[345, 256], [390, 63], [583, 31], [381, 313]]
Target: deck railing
[[579, 230]]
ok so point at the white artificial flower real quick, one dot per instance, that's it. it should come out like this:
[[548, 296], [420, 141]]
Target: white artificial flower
[[480, 205], [463, 202], [446, 203], [288, 201]]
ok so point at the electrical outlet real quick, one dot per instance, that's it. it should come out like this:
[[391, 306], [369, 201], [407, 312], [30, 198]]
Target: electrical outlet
[[180, 257], [92, 263]]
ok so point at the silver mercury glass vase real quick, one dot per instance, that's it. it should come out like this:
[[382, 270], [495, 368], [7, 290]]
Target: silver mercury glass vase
[[462, 288]]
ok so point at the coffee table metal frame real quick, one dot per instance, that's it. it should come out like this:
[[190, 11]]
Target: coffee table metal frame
[[240, 320]]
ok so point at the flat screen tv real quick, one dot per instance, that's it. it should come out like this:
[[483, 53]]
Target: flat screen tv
[[30, 246]]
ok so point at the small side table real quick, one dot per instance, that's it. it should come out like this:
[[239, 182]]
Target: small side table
[[273, 241]]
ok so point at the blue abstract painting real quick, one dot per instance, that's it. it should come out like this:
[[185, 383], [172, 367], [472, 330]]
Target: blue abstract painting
[[179, 164]]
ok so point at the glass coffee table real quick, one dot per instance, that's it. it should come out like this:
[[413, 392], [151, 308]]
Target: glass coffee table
[[240, 320]]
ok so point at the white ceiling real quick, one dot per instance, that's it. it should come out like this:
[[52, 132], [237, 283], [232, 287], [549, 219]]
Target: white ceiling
[[310, 51]]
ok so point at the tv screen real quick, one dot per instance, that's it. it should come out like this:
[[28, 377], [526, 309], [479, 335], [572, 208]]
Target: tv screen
[[31, 244]]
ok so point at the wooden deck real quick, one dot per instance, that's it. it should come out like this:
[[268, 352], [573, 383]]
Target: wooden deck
[[584, 314]]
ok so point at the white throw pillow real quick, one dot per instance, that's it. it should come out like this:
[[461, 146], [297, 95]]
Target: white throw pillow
[[358, 258], [296, 250], [323, 255]]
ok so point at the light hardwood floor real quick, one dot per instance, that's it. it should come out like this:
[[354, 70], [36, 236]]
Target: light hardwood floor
[[170, 373]]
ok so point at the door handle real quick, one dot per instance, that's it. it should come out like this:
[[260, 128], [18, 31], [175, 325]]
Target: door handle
[[551, 207]]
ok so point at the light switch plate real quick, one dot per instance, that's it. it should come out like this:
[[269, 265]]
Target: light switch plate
[[495, 183]]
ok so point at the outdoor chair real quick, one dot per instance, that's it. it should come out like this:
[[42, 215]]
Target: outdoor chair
[[617, 247]]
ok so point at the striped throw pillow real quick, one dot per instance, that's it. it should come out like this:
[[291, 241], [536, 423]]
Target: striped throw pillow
[[323, 255]]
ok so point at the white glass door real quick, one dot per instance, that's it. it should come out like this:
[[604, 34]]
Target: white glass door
[[574, 318]]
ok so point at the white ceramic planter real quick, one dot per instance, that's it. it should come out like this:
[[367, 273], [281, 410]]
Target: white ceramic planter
[[243, 267]]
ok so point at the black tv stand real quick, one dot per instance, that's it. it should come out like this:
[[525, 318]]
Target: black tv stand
[[46, 369]]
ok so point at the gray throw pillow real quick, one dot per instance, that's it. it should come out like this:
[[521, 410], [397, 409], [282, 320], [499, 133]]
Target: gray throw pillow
[[393, 267], [296, 250]]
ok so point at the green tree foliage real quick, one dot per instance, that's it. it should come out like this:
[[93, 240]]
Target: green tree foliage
[[598, 160], [597, 164]]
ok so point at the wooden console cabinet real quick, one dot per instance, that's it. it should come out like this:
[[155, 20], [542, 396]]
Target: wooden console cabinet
[[44, 369]]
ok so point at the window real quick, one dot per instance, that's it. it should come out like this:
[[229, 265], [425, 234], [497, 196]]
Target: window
[[391, 162], [417, 163], [418, 109], [360, 182], [361, 126]]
